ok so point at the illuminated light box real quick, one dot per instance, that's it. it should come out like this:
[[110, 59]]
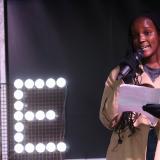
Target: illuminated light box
[[37, 123]]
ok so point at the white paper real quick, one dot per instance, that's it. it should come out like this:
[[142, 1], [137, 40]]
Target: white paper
[[132, 98]]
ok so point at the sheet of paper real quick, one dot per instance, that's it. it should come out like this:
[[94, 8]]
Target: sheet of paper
[[132, 98]]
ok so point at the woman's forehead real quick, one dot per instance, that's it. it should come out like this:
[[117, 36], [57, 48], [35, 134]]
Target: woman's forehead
[[144, 22]]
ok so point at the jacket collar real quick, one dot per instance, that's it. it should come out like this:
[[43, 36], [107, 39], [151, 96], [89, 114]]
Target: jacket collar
[[145, 80]]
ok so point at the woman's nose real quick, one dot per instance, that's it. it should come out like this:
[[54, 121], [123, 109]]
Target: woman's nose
[[142, 38]]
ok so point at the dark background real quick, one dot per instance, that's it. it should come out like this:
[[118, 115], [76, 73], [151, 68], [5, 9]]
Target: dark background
[[81, 40]]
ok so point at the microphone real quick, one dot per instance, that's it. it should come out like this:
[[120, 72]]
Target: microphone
[[130, 63]]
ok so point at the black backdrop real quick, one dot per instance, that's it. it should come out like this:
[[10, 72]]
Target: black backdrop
[[79, 40]]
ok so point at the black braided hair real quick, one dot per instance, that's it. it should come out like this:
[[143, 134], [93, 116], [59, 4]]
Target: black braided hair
[[128, 118]]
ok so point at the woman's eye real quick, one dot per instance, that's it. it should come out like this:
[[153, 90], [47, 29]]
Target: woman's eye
[[147, 33]]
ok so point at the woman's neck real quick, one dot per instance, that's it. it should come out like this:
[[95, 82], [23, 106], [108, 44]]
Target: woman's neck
[[153, 62], [153, 65]]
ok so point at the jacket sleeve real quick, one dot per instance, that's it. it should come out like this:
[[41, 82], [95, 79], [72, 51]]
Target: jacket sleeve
[[108, 114]]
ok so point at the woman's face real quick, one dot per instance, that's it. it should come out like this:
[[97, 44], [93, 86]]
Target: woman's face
[[145, 36]]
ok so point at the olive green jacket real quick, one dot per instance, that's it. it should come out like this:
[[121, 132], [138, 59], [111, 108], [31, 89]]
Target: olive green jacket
[[133, 147]]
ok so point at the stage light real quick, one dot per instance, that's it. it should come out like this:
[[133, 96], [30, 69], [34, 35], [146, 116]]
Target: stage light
[[40, 147], [29, 148], [50, 83], [19, 127], [18, 137], [18, 115], [50, 115], [39, 83], [50, 147], [18, 105], [61, 147], [18, 83], [29, 83], [18, 94], [29, 116], [61, 82], [18, 148], [40, 115]]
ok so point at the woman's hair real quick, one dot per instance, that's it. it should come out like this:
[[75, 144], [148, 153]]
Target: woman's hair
[[128, 118]]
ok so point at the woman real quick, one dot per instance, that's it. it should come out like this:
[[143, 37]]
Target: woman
[[129, 140]]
